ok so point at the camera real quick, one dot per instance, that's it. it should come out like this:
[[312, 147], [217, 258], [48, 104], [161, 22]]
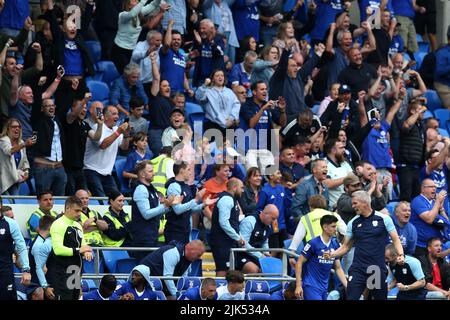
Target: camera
[[99, 113]]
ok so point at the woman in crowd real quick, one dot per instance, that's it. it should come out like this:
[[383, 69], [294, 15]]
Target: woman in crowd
[[14, 164], [129, 30], [250, 197], [264, 67]]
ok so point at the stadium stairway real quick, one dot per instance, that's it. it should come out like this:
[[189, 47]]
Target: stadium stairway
[[208, 265]]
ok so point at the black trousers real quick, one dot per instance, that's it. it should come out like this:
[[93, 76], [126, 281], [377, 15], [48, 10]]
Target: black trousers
[[408, 178], [121, 57], [7, 286], [75, 181], [65, 95]]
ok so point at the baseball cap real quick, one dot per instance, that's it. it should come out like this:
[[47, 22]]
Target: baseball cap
[[351, 178], [177, 110], [344, 88]]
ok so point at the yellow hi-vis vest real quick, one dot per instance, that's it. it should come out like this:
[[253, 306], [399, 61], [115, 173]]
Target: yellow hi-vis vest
[[160, 178], [38, 213], [311, 222], [107, 242], [93, 238]]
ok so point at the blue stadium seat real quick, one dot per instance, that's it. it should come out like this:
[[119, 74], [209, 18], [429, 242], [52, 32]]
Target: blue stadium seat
[[156, 284], [423, 46], [273, 266], [26, 201], [119, 165], [258, 286], [95, 50], [315, 108], [160, 295], [419, 38], [288, 242], [88, 285], [125, 265], [391, 206], [257, 296], [197, 117], [433, 100], [108, 72], [428, 114], [443, 115], [221, 282], [99, 90], [443, 132], [418, 55], [186, 283], [24, 190], [111, 257], [89, 266], [193, 108]]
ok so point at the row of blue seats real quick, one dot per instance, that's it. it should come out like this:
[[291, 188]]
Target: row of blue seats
[[186, 283]]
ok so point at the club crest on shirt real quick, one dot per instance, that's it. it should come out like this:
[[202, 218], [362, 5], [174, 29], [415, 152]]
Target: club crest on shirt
[[2, 231], [375, 223], [404, 270]]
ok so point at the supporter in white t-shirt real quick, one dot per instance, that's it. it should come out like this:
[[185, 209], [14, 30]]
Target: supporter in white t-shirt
[[338, 168], [101, 155], [234, 290]]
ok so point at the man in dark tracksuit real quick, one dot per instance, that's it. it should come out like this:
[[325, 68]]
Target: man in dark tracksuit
[[408, 278], [178, 225], [367, 232], [173, 259], [68, 247], [255, 229], [11, 240], [225, 226]]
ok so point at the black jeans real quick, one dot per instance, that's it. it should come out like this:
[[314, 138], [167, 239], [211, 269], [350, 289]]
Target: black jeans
[[75, 181], [408, 178]]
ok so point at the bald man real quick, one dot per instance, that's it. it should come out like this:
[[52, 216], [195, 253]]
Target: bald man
[[225, 226], [255, 231], [91, 221], [94, 110], [427, 208]]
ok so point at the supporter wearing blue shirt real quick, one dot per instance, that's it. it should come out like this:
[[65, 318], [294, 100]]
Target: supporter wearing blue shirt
[[406, 230], [246, 18], [172, 60], [436, 169], [211, 53], [13, 15], [127, 86], [397, 45], [403, 8], [260, 116], [206, 291], [313, 269], [425, 208], [105, 292], [241, 73], [325, 14], [367, 233], [376, 146], [373, 4], [140, 153], [273, 193], [138, 285], [289, 166]]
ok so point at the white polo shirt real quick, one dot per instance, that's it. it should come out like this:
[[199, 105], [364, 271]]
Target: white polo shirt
[[337, 172]]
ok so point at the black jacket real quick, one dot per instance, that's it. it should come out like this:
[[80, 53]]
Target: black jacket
[[45, 128], [247, 201], [444, 267]]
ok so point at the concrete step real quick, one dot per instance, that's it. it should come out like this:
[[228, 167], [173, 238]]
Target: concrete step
[[208, 266], [208, 273]]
